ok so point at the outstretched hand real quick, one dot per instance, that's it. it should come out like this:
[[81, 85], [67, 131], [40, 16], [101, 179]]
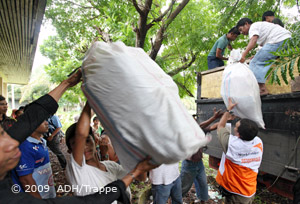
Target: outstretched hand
[[217, 114], [74, 78], [231, 105], [243, 59], [145, 165]]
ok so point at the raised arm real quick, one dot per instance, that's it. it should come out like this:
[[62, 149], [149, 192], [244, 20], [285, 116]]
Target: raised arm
[[81, 133], [139, 171], [64, 85], [217, 114], [226, 115], [40, 110], [250, 46]]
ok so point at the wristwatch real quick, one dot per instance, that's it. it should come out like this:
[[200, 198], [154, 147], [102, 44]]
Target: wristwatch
[[229, 111]]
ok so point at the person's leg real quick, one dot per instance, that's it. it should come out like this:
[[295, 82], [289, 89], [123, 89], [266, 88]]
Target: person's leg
[[263, 89], [176, 192], [161, 193], [187, 175], [201, 183], [55, 148], [213, 62], [259, 62], [220, 62]]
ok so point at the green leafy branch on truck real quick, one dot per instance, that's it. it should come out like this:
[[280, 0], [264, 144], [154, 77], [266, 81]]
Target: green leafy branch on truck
[[288, 60]]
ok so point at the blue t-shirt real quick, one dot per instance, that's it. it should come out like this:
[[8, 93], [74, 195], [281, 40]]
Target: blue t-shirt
[[54, 123], [35, 160], [221, 43]]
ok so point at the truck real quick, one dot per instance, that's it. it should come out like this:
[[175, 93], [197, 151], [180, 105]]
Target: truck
[[280, 167]]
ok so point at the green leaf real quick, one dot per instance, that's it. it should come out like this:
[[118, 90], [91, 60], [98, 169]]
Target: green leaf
[[298, 65], [291, 69], [271, 70], [283, 73]]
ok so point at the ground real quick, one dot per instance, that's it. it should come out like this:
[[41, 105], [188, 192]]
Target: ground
[[262, 197]]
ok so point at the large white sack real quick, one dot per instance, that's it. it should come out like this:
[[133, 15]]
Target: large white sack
[[139, 106], [240, 84]]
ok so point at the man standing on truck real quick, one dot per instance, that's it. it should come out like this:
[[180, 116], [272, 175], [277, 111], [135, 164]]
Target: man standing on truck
[[242, 156], [268, 35], [215, 57]]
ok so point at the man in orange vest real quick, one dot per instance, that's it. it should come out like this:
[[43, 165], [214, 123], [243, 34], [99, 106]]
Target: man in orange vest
[[242, 155]]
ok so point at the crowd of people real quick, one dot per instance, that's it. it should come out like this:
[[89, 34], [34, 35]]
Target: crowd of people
[[24, 141]]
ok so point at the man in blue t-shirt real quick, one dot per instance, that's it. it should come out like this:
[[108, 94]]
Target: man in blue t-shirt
[[33, 172], [216, 55]]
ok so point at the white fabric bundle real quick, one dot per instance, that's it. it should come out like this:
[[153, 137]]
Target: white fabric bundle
[[239, 83], [139, 106], [235, 56]]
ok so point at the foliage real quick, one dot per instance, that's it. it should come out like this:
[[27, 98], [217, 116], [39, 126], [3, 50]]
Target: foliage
[[178, 41], [289, 55], [78, 23], [17, 91], [35, 89]]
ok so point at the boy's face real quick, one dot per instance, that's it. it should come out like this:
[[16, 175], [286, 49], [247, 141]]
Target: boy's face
[[244, 29], [96, 122], [9, 153], [237, 125], [90, 148], [269, 19], [232, 36], [43, 128], [3, 107]]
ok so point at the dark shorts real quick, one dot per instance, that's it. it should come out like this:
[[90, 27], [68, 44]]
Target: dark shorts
[[214, 62]]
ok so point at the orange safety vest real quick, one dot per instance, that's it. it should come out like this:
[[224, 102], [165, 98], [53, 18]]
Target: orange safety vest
[[239, 166]]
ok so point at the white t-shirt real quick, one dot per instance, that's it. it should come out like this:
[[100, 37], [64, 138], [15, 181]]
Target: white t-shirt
[[89, 179], [164, 174], [268, 33]]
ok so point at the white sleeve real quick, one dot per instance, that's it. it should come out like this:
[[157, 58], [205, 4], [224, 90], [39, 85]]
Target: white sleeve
[[74, 170], [254, 30], [115, 168]]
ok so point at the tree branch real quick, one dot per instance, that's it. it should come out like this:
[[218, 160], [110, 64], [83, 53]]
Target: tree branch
[[85, 7], [165, 57], [184, 88], [135, 4], [160, 34], [183, 67], [147, 6], [231, 12], [94, 6], [94, 17], [176, 12], [158, 19], [104, 36]]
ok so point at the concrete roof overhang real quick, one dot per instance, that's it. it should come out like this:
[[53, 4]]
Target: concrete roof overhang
[[20, 22]]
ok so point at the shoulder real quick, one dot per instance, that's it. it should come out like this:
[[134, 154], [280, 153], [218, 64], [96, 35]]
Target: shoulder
[[222, 38], [258, 25], [223, 131], [112, 166], [257, 140], [54, 118], [26, 145]]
